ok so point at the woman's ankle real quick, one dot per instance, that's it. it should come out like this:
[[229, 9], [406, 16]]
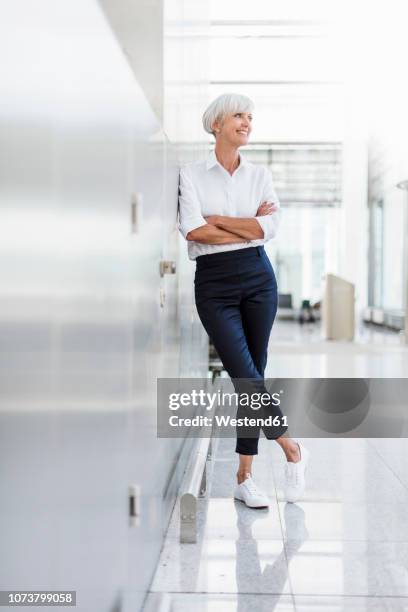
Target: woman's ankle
[[290, 448], [242, 475], [293, 453]]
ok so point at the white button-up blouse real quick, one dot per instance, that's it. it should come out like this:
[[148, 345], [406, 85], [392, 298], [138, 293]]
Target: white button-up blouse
[[207, 188]]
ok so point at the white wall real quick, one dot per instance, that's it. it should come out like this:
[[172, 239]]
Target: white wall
[[83, 333]]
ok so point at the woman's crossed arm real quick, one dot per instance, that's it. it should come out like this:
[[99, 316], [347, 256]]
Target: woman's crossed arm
[[226, 230]]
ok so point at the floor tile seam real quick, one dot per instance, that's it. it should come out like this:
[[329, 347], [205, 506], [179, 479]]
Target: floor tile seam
[[228, 593], [228, 460], [388, 466], [230, 497], [285, 594], [351, 541], [346, 502], [333, 484], [285, 553], [342, 540], [275, 488], [172, 537], [350, 596], [354, 596], [310, 348], [176, 540], [341, 501]]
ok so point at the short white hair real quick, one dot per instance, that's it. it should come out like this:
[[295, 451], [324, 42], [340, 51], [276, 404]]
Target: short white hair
[[226, 104]]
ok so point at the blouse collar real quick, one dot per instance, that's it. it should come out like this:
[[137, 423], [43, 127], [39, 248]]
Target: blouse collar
[[213, 161]]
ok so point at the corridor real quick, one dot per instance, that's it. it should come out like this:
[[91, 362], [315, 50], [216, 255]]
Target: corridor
[[344, 547], [194, 193]]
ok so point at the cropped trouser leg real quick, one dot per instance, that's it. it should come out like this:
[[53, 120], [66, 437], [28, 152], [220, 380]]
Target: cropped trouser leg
[[236, 298]]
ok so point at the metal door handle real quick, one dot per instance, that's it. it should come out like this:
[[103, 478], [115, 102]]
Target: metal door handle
[[167, 267]]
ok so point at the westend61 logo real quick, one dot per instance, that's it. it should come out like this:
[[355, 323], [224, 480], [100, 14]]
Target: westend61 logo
[[208, 401], [194, 400]]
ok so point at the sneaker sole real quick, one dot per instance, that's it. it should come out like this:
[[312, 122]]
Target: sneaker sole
[[252, 507]]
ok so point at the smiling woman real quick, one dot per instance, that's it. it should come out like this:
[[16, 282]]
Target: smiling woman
[[227, 104], [236, 207], [228, 210]]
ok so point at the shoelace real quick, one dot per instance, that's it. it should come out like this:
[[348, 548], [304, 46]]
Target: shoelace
[[292, 474], [251, 486]]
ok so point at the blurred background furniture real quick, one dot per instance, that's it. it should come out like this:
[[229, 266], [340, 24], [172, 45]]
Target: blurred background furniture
[[338, 308], [285, 306]]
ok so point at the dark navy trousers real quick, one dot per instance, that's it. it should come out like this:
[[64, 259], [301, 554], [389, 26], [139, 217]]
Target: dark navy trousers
[[236, 297]]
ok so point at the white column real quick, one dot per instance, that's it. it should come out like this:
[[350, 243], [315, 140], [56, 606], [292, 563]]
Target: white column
[[353, 230]]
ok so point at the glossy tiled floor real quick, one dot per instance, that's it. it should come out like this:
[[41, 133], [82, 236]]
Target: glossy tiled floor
[[301, 352], [344, 547]]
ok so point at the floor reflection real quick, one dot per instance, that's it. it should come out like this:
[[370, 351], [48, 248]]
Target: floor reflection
[[251, 575]]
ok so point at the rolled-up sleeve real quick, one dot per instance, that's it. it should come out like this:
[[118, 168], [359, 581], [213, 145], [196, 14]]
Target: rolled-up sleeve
[[271, 222], [190, 216]]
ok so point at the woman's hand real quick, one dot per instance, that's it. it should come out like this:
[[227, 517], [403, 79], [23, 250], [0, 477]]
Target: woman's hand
[[266, 208], [212, 219]]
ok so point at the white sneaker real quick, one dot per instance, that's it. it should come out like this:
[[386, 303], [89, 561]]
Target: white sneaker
[[249, 493], [295, 483]]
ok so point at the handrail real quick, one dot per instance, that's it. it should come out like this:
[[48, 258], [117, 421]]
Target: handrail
[[194, 486]]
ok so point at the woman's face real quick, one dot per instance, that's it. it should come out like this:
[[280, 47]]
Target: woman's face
[[234, 129]]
